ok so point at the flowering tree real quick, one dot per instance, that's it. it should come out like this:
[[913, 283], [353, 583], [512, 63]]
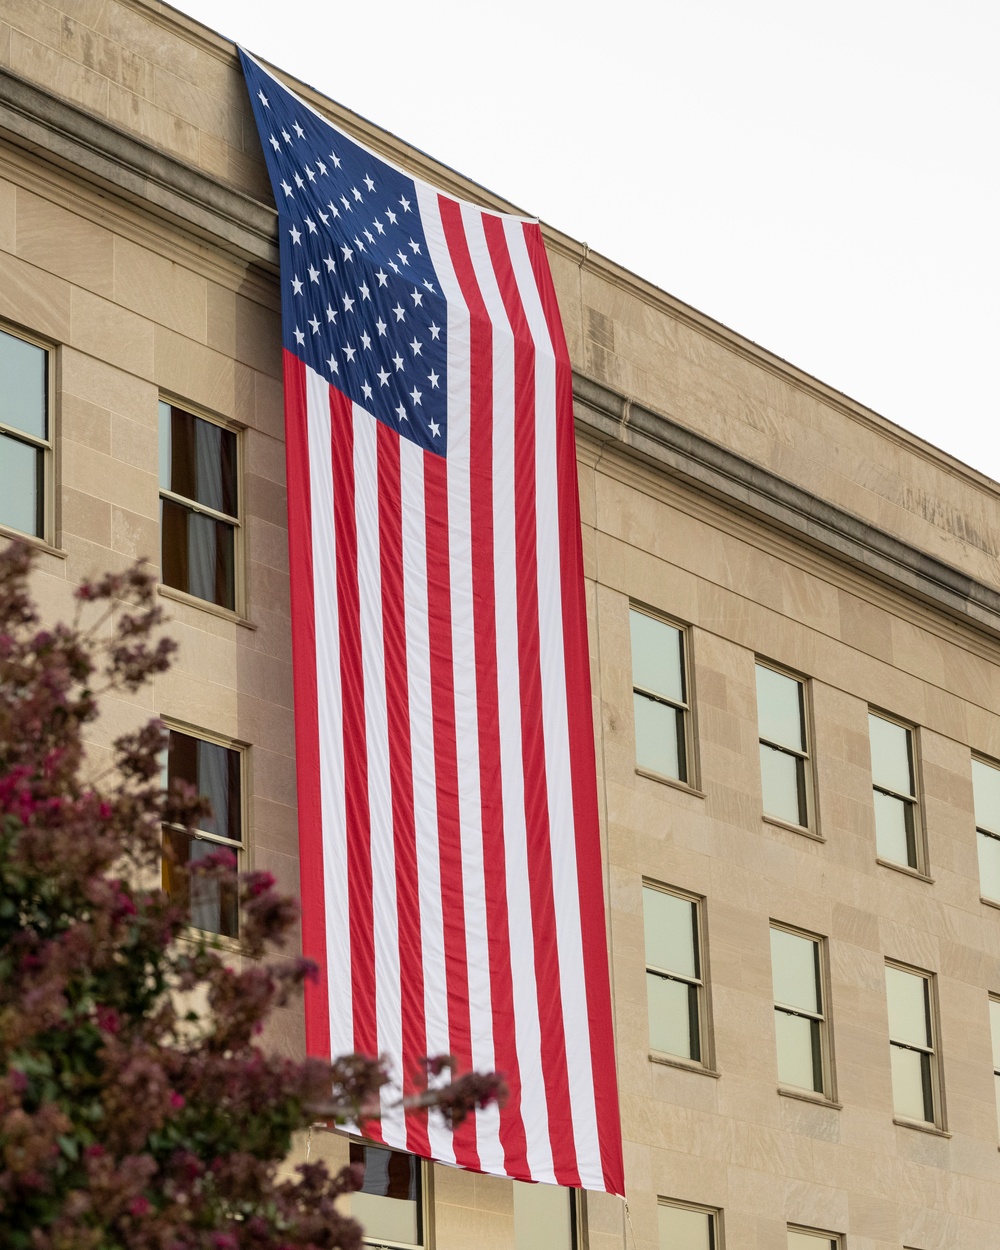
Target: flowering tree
[[127, 1117]]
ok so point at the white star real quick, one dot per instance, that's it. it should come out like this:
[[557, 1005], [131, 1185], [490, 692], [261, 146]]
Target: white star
[[415, 346], [369, 184], [348, 304], [263, 99], [348, 254], [313, 274], [332, 365], [299, 131], [336, 159], [435, 429], [368, 235], [400, 313], [363, 289], [366, 341], [393, 266], [325, 219], [296, 234], [415, 246], [310, 175], [391, 215], [358, 244], [429, 286], [356, 193], [331, 313], [296, 285], [378, 226], [383, 377], [349, 352], [435, 330], [415, 395], [404, 259], [405, 203], [346, 203], [285, 187], [314, 322], [330, 263], [397, 360], [286, 136], [416, 297], [297, 179], [320, 166], [300, 338], [367, 390], [383, 277], [380, 326], [311, 224], [401, 413], [333, 208], [274, 143], [433, 378]]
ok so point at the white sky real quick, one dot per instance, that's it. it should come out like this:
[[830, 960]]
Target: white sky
[[821, 176]]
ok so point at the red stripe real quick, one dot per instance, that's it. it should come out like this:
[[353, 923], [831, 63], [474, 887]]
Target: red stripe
[[582, 759], [359, 866], [411, 969], [446, 773], [512, 1134], [300, 563], [536, 807]]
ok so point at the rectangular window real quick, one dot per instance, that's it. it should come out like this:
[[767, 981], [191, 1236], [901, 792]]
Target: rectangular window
[[912, 1048], [216, 772], [784, 746], [800, 1020], [687, 1227], [995, 1032], [199, 512], [897, 832], [544, 1217], [389, 1204], [986, 794], [659, 696], [809, 1239], [25, 445], [674, 983]]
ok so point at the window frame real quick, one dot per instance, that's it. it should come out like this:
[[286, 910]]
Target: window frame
[[686, 708], [913, 802], [938, 1123], [47, 446], [981, 829], [811, 826], [819, 1234], [237, 522], [716, 1224], [828, 1094], [995, 1043], [425, 1205], [706, 1060], [242, 850]]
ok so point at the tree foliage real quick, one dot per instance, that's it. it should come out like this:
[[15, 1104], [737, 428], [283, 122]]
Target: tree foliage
[[129, 1118]]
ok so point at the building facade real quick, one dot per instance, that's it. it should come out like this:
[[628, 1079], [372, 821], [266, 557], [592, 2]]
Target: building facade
[[794, 612]]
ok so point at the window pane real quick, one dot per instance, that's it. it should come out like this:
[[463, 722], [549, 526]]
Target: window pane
[[809, 1241], [911, 1084], [659, 737], [909, 1015], [986, 789], [656, 657], [22, 387], [782, 779], [800, 1058], [198, 459], [21, 467], [387, 1204], [779, 708], [989, 865], [669, 923], [995, 1029], [214, 771], [197, 554], [795, 970], [894, 833], [673, 1017], [208, 904], [891, 765], [681, 1229], [542, 1217]]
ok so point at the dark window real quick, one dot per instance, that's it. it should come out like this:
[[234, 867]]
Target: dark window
[[24, 434], [388, 1205]]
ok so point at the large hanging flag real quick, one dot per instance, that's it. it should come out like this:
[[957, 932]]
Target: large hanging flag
[[450, 852]]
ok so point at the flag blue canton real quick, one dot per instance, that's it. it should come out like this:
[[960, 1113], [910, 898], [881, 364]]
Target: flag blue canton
[[361, 302]]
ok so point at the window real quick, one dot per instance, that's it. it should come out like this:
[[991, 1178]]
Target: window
[[544, 1217], [807, 1239], [673, 973], [389, 1204], [198, 506], [784, 753], [911, 1044], [216, 772], [24, 435], [800, 1023], [659, 696], [687, 1228], [896, 816], [995, 1031], [986, 794]]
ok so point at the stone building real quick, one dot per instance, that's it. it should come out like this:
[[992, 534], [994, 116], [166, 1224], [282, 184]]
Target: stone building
[[795, 629]]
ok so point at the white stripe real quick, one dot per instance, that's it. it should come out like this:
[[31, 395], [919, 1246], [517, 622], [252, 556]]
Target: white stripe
[[418, 675], [464, 661], [329, 714], [526, 1023], [565, 880], [388, 1006]]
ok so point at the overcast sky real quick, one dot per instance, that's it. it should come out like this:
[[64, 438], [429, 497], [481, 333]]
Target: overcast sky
[[822, 177]]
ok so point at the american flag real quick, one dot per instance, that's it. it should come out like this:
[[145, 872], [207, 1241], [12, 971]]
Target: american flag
[[450, 853]]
